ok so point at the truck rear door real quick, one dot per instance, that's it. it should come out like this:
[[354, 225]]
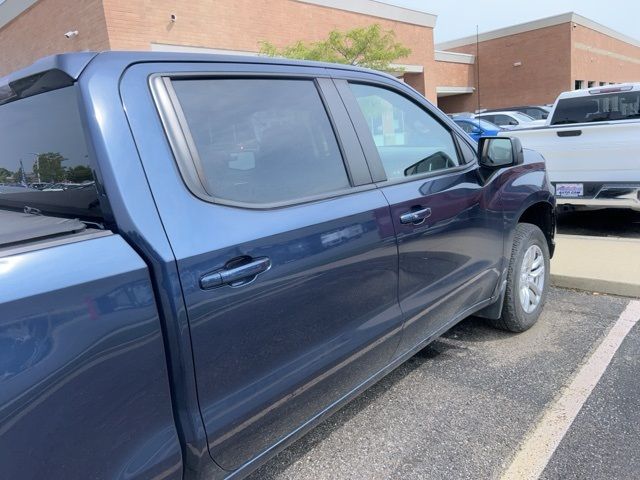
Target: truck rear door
[[286, 251]]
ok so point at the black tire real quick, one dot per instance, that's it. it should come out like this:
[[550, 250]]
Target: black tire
[[514, 318]]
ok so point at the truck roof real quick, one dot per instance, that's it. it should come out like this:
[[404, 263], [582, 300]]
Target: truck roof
[[71, 64], [615, 88]]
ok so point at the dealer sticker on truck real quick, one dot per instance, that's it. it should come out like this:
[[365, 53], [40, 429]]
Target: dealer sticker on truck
[[569, 189]]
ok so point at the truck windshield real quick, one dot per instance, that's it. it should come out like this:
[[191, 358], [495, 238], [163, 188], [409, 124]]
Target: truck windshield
[[485, 124], [522, 117], [44, 161], [597, 108]]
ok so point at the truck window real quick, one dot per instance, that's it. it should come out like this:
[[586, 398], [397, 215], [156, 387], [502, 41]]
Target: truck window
[[409, 140], [261, 140], [467, 127], [597, 108], [536, 113], [503, 120], [44, 164]]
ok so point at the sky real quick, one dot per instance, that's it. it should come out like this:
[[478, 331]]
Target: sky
[[458, 18]]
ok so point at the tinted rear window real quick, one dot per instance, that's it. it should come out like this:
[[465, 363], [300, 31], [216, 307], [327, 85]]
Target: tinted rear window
[[536, 113], [597, 108], [44, 162], [262, 141]]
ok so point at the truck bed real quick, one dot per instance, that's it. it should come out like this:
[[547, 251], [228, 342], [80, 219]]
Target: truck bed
[[19, 227]]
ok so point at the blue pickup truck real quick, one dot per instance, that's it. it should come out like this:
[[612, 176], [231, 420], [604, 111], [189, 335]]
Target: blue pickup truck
[[202, 256]]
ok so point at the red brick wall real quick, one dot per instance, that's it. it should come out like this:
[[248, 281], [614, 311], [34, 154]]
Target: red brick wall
[[40, 31], [545, 71], [458, 103], [607, 60], [241, 24], [416, 80], [224, 24], [552, 57], [450, 74]]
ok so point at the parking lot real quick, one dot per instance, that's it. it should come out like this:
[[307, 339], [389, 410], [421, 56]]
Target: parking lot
[[463, 407]]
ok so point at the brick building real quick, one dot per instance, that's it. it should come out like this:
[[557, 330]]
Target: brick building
[[30, 29], [528, 63], [532, 62]]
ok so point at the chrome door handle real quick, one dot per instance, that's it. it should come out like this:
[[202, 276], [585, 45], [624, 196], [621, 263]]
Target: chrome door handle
[[415, 217], [236, 276]]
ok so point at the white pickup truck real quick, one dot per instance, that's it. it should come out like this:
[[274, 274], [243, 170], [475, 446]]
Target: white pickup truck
[[591, 143]]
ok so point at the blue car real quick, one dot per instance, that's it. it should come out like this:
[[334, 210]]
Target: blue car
[[477, 128]]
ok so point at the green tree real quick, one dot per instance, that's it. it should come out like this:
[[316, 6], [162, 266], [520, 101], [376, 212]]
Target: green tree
[[5, 174], [369, 47], [48, 167], [79, 174]]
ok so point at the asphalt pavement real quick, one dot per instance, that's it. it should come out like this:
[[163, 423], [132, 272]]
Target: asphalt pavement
[[603, 441], [462, 407]]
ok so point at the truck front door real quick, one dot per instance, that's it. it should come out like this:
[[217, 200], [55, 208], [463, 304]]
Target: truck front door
[[448, 221]]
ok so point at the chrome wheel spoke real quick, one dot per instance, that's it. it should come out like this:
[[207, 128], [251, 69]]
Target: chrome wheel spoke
[[539, 260], [537, 272], [534, 288], [525, 297], [528, 259], [531, 278]]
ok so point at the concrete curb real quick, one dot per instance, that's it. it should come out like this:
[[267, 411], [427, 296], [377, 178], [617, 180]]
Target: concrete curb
[[596, 285], [597, 264]]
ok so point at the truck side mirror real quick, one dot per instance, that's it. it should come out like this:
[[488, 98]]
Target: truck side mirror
[[500, 152]]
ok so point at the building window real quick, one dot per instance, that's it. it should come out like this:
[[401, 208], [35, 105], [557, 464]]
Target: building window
[[602, 84], [579, 84], [591, 83]]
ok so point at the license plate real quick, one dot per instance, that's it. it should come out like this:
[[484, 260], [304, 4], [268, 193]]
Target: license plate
[[569, 190]]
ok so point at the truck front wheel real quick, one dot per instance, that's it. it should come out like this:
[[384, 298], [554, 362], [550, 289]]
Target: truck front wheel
[[527, 280]]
